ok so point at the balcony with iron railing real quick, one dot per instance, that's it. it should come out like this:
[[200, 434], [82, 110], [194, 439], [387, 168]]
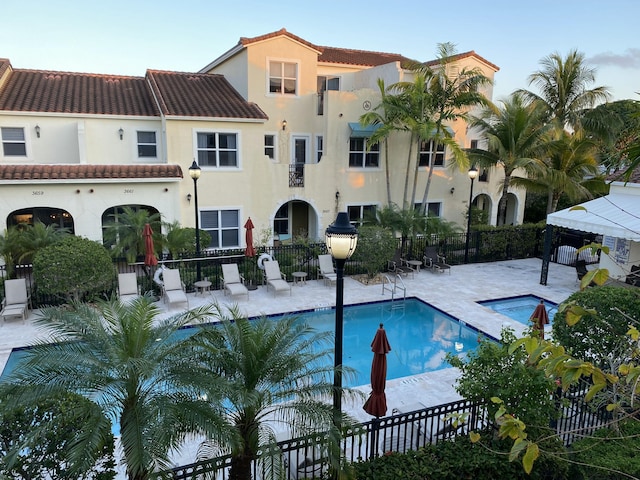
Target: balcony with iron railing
[[296, 175]]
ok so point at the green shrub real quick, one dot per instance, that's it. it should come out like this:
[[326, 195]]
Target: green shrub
[[612, 451], [376, 246], [597, 337], [459, 459], [75, 269], [28, 452]]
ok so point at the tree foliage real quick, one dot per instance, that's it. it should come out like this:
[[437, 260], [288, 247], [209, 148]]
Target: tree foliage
[[74, 268], [376, 246], [137, 370], [492, 370], [123, 233], [37, 440], [600, 337]]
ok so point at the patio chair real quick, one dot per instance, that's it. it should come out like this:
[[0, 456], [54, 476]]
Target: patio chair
[[127, 287], [634, 276], [16, 299], [326, 269], [233, 281], [173, 288], [275, 278], [399, 265], [434, 261]]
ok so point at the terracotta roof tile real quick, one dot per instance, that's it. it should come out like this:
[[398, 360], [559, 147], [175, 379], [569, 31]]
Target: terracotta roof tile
[[244, 41], [359, 57], [200, 95], [460, 56], [76, 93], [80, 172]]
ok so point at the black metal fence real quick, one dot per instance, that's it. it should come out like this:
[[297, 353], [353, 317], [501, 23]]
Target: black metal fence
[[401, 432], [484, 246]]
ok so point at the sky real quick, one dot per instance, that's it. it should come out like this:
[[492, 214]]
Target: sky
[[127, 37]]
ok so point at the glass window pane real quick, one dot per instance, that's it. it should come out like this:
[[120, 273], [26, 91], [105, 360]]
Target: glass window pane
[[290, 70], [214, 239], [275, 69], [227, 140], [15, 149], [230, 238], [208, 219], [12, 134], [228, 159], [229, 218], [207, 159], [268, 140], [289, 86], [146, 137], [146, 150]]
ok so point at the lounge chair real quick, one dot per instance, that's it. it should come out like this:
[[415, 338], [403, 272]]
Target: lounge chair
[[399, 265], [326, 269], [275, 278], [434, 261], [127, 287], [173, 288], [233, 281], [16, 299]]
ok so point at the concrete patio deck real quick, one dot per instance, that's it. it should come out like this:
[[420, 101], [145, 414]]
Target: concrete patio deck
[[455, 293]]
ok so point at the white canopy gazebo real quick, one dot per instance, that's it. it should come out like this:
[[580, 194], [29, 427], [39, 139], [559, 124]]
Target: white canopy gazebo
[[615, 216]]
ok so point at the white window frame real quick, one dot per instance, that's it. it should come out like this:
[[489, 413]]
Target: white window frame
[[429, 206], [319, 148], [217, 132], [282, 76], [144, 144], [14, 142], [217, 232], [364, 154], [429, 153], [274, 147], [362, 207]]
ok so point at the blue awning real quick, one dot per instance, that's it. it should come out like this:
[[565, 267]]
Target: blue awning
[[359, 131]]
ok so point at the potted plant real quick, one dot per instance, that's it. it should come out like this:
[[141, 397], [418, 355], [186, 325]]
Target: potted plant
[[250, 273]]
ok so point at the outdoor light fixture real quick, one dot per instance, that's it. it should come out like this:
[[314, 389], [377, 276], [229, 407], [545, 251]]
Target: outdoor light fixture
[[121, 133], [341, 239], [194, 172], [189, 197], [473, 173], [453, 189], [284, 125], [38, 131]]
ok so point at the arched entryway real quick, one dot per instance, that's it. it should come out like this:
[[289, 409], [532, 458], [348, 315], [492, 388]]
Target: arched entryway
[[482, 205], [296, 218], [46, 215], [116, 214]]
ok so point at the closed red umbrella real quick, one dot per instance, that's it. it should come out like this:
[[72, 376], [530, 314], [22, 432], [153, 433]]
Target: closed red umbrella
[[250, 251], [376, 404], [540, 318], [149, 252]]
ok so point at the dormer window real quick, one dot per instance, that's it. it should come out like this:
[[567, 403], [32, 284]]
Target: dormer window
[[283, 78]]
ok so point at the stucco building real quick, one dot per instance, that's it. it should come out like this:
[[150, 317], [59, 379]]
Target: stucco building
[[273, 124]]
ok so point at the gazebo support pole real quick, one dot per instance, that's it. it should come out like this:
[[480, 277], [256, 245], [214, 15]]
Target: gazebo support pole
[[546, 253]]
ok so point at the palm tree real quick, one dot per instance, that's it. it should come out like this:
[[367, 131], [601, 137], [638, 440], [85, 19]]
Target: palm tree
[[37, 236], [444, 94], [124, 232], [11, 248], [514, 133], [133, 365], [277, 375], [564, 95], [570, 167], [384, 116]]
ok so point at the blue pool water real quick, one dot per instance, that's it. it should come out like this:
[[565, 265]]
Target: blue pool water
[[520, 308], [419, 334]]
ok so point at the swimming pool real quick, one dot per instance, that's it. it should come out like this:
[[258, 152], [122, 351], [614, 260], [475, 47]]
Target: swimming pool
[[520, 308], [420, 336]]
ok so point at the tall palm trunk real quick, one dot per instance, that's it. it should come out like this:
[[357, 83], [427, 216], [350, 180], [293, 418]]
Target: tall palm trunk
[[502, 203], [406, 177], [387, 172]]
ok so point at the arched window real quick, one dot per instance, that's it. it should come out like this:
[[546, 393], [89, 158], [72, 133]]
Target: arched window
[[45, 215]]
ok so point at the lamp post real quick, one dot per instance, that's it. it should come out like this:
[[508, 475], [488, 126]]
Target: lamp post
[[341, 238], [473, 173], [194, 172]]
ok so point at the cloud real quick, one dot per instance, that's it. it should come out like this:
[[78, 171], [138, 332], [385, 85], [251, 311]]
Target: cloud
[[629, 59]]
